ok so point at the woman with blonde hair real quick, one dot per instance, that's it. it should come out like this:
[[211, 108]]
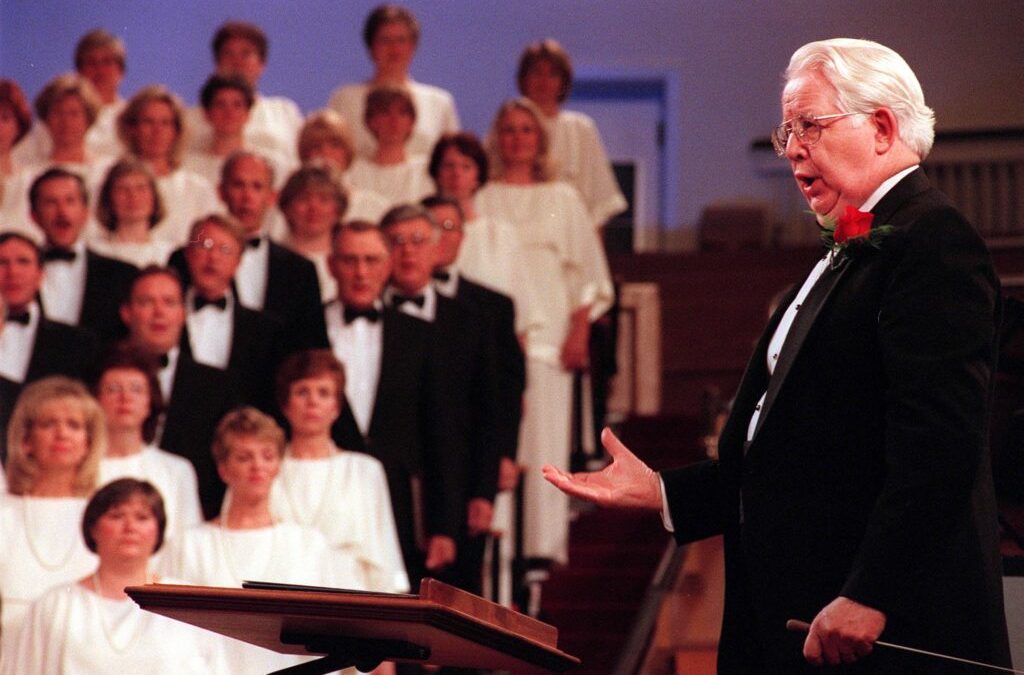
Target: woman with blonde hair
[[152, 128], [55, 439], [128, 209], [246, 541], [564, 262]]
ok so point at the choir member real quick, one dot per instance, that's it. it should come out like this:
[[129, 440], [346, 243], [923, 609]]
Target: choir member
[[393, 405], [80, 287], [152, 128], [246, 541], [341, 493], [545, 77], [563, 258], [15, 124], [91, 626], [128, 208], [313, 201], [489, 250], [54, 444], [129, 394], [196, 395], [464, 479], [391, 34], [31, 346], [99, 58], [227, 102], [399, 176], [223, 334], [240, 49]]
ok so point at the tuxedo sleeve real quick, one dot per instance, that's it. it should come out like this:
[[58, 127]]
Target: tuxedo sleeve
[[936, 329], [694, 495]]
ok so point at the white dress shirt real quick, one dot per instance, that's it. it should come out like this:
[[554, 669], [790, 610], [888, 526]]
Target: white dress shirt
[[358, 346], [210, 331], [450, 288], [63, 287], [166, 374], [16, 345], [252, 274]]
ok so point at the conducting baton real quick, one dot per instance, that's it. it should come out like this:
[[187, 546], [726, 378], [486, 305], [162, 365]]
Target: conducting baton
[[803, 627]]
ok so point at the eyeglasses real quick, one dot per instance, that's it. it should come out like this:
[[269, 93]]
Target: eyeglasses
[[806, 127], [415, 241], [210, 245], [449, 225]]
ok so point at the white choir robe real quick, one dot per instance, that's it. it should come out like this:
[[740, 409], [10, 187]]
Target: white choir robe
[[210, 555], [43, 548], [208, 165], [435, 115], [153, 252], [187, 196], [73, 631], [564, 261], [173, 475], [405, 183], [582, 162], [101, 140], [274, 124], [345, 497]]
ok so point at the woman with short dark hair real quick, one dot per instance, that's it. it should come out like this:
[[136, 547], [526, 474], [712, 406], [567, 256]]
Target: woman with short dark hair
[[91, 626], [391, 34], [15, 124]]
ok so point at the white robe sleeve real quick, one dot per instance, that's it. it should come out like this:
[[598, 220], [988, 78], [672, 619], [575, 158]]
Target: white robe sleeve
[[584, 261]]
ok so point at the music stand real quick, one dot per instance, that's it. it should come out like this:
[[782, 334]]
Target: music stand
[[441, 626]]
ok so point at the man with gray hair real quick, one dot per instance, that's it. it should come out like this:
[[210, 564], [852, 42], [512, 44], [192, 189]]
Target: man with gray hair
[[853, 484]]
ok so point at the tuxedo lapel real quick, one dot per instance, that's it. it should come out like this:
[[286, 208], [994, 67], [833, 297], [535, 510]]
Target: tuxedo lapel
[[912, 185], [805, 318], [389, 345]]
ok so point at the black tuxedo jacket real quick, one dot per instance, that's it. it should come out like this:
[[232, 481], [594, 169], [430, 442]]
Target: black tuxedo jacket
[[406, 428], [106, 285], [200, 397], [58, 349], [293, 296], [257, 347], [868, 475], [510, 363]]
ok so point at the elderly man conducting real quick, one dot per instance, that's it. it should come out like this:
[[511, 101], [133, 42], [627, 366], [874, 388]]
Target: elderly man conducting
[[854, 485]]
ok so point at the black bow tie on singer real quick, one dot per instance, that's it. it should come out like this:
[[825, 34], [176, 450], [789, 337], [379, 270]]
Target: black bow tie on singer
[[55, 253], [350, 314], [199, 302], [442, 275], [20, 317], [417, 300]]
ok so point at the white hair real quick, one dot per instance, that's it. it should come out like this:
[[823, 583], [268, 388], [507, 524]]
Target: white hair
[[868, 76]]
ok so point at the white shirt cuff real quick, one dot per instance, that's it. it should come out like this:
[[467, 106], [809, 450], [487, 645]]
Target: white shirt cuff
[[666, 515]]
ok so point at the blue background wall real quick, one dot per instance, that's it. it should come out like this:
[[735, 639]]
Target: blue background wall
[[724, 57]]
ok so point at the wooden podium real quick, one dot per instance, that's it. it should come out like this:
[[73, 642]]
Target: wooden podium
[[442, 626]]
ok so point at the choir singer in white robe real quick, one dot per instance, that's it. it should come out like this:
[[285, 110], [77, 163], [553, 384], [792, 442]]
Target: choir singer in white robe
[[54, 443], [565, 263], [341, 493], [91, 627]]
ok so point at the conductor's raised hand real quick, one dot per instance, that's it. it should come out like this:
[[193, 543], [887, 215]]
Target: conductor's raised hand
[[625, 483]]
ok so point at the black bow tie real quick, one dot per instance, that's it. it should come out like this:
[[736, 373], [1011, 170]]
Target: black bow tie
[[417, 300], [55, 253], [199, 302], [20, 317], [164, 361], [350, 314], [254, 243], [442, 275]]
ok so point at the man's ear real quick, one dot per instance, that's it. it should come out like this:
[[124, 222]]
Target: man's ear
[[886, 130]]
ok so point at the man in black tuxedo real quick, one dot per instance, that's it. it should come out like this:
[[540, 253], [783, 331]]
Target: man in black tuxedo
[[270, 278], [196, 395], [31, 346], [392, 401], [81, 288], [222, 333], [854, 486], [502, 438]]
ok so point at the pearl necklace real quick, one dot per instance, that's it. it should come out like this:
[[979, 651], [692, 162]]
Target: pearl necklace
[[36, 553], [289, 493], [108, 630]]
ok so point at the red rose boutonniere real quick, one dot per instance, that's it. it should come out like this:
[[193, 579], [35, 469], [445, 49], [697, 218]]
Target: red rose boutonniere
[[852, 229]]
